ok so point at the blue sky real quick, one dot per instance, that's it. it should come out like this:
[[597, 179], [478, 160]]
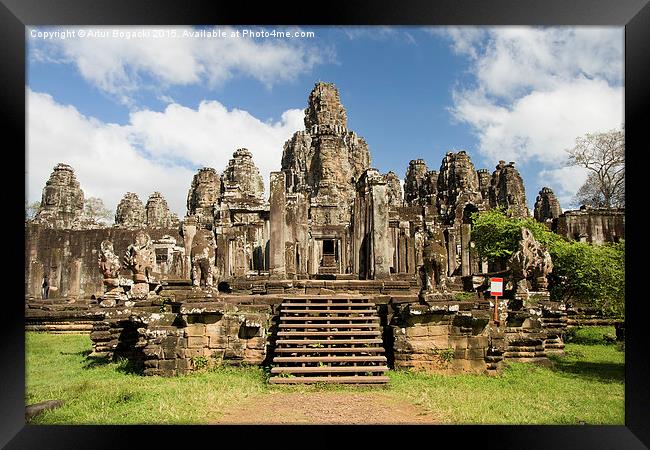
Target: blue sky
[[142, 114]]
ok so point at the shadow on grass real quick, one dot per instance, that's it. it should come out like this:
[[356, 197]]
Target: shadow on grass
[[83, 353], [605, 372], [123, 365]]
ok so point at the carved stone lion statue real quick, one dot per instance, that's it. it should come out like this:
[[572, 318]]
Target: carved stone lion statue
[[140, 258], [530, 264], [109, 265]]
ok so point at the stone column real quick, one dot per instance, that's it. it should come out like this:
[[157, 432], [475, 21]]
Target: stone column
[[189, 230], [358, 232], [74, 288], [277, 218], [410, 252], [402, 253], [465, 230], [380, 236], [451, 251]]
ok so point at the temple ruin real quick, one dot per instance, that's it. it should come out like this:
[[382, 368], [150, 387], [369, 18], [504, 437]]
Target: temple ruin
[[337, 275]]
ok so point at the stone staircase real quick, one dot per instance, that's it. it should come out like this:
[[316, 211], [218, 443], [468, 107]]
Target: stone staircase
[[525, 350], [329, 339], [329, 265]]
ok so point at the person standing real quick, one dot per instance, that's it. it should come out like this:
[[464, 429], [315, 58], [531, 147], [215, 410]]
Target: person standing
[[46, 287]]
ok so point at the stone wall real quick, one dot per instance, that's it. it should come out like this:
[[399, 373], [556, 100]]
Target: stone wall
[[183, 329], [451, 336], [593, 225], [441, 338], [70, 258], [176, 338]]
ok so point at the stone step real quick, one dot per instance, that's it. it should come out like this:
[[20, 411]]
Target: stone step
[[332, 329], [524, 354], [355, 350], [515, 348], [321, 304], [373, 326], [324, 359], [330, 369], [328, 311], [330, 333], [322, 297], [331, 318], [334, 380], [327, 341]]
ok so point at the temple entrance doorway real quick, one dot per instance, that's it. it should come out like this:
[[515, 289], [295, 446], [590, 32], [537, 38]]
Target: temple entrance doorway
[[329, 262]]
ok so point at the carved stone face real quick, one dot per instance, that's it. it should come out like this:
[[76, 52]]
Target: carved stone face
[[206, 194]]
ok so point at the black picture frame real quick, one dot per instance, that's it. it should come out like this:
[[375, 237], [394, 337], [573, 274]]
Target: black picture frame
[[15, 15]]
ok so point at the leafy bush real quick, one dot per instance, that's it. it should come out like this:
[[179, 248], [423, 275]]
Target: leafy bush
[[590, 273], [496, 235], [594, 274], [464, 296], [199, 362]]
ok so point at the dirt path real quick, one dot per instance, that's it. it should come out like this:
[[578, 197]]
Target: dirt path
[[346, 408]]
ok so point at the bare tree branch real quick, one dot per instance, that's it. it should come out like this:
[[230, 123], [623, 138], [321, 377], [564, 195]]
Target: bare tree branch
[[603, 155]]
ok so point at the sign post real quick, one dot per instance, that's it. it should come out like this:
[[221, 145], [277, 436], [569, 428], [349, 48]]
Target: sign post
[[496, 290]]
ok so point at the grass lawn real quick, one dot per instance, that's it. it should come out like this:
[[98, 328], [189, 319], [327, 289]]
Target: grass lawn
[[586, 386]]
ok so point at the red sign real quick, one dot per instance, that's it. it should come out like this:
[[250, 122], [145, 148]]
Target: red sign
[[496, 287]]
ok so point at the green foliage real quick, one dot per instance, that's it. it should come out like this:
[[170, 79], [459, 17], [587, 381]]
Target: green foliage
[[464, 296], [590, 273], [199, 362], [585, 386], [581, 271], [589, 335], [496, 235], [446, 355]]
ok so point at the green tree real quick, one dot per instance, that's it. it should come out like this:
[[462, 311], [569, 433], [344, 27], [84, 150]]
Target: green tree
[[593, 274], [496, 235], [584, 272]]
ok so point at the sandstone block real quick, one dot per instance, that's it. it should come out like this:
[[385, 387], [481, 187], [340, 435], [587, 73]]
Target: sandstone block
[[197, 341], [167, 365], [256, 343], [217, 341], [195, 329]]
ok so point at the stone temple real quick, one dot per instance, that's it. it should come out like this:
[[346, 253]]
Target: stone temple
[[336, 276]]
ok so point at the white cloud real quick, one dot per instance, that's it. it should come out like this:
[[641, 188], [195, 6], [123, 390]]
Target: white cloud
[[542, 124], [117, 65], [565, 182], [534, 90], [152, 152]]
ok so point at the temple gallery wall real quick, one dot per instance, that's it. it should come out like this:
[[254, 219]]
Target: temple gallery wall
[[243, 277]]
